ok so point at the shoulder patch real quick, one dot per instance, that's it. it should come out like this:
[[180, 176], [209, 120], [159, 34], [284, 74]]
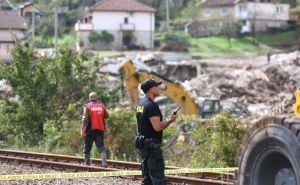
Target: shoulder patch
[[140, 108]]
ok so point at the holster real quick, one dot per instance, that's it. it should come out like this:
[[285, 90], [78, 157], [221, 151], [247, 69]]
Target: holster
[[139, 141]]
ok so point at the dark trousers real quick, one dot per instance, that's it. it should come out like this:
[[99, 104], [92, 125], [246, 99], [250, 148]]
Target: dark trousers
[[94, 136], [153, 167]]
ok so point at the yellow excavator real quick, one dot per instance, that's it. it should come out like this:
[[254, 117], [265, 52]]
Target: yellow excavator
[[134, 72], [270, 153]]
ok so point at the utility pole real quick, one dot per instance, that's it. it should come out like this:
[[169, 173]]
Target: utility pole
[[33, 27], [167, 14], [55, 25]]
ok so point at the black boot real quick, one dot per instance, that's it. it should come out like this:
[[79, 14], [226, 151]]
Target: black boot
[[87, 159], [104, 159]]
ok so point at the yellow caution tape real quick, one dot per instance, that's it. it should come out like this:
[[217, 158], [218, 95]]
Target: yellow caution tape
[[199, 170], [105, 174], [68, 175]]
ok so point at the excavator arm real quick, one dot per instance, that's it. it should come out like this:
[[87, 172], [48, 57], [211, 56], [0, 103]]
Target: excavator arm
[[297, 104], [133, 77]]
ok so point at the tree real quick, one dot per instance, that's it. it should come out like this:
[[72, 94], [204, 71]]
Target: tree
[[33, 87], [229, 31], [48, 90]]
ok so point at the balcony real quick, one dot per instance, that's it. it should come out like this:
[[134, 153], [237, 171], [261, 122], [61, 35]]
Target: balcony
[[83, 26], [127, 27]]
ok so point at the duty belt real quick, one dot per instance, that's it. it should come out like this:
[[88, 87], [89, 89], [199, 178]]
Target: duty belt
[[149, 143]]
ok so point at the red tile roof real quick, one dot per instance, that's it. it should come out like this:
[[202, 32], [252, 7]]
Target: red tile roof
[[121, 5], [219, 2], [11, 19]]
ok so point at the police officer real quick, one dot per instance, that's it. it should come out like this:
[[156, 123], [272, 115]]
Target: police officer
[[150, 131], [92, 128]]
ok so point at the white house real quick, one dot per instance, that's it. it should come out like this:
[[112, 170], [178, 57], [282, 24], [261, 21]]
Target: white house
[[262, 16], [130, 22], [12, 28], [258, 16]]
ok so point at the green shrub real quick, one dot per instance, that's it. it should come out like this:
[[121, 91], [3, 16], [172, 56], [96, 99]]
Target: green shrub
[[95, 37], [121, 129], [210, 144], [238, 27], [107, 37], [178, 38]]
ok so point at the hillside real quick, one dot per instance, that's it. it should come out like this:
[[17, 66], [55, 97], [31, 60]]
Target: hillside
[[180, 12]]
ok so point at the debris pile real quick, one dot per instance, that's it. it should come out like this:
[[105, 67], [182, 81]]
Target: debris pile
[[249, 86], [173, 46], [254, 91]]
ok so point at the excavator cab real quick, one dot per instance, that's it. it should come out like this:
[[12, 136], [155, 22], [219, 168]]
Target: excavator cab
[[208, 106]]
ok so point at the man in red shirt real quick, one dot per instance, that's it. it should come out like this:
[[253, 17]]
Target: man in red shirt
[[93, 127]]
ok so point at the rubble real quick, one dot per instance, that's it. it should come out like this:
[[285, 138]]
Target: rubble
[[256, 89], [173, 46], [249, 85]]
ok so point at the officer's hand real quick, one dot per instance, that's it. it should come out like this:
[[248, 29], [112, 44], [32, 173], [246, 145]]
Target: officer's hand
[[175, 112], [173, 117], [83, 132]]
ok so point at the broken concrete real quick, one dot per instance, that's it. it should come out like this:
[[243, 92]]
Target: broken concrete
[[256, 88], [249, 85]]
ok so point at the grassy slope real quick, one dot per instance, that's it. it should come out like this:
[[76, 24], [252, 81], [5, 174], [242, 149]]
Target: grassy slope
[[219, 46], [208, 47]]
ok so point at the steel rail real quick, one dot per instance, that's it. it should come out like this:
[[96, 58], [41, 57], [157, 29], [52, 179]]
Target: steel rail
[[73, 159], [55, 165], [195, 181], [75, 164]]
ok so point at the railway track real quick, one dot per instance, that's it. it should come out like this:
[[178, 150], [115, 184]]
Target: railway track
[[75, 164]]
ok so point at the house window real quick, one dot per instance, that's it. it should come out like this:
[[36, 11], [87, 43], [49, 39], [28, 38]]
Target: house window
[[279, 9], [242, 8], [223, 11], [206, 12], [126, 20]]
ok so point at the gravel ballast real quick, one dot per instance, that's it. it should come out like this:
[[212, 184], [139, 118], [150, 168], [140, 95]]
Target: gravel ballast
[[15, 169]]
